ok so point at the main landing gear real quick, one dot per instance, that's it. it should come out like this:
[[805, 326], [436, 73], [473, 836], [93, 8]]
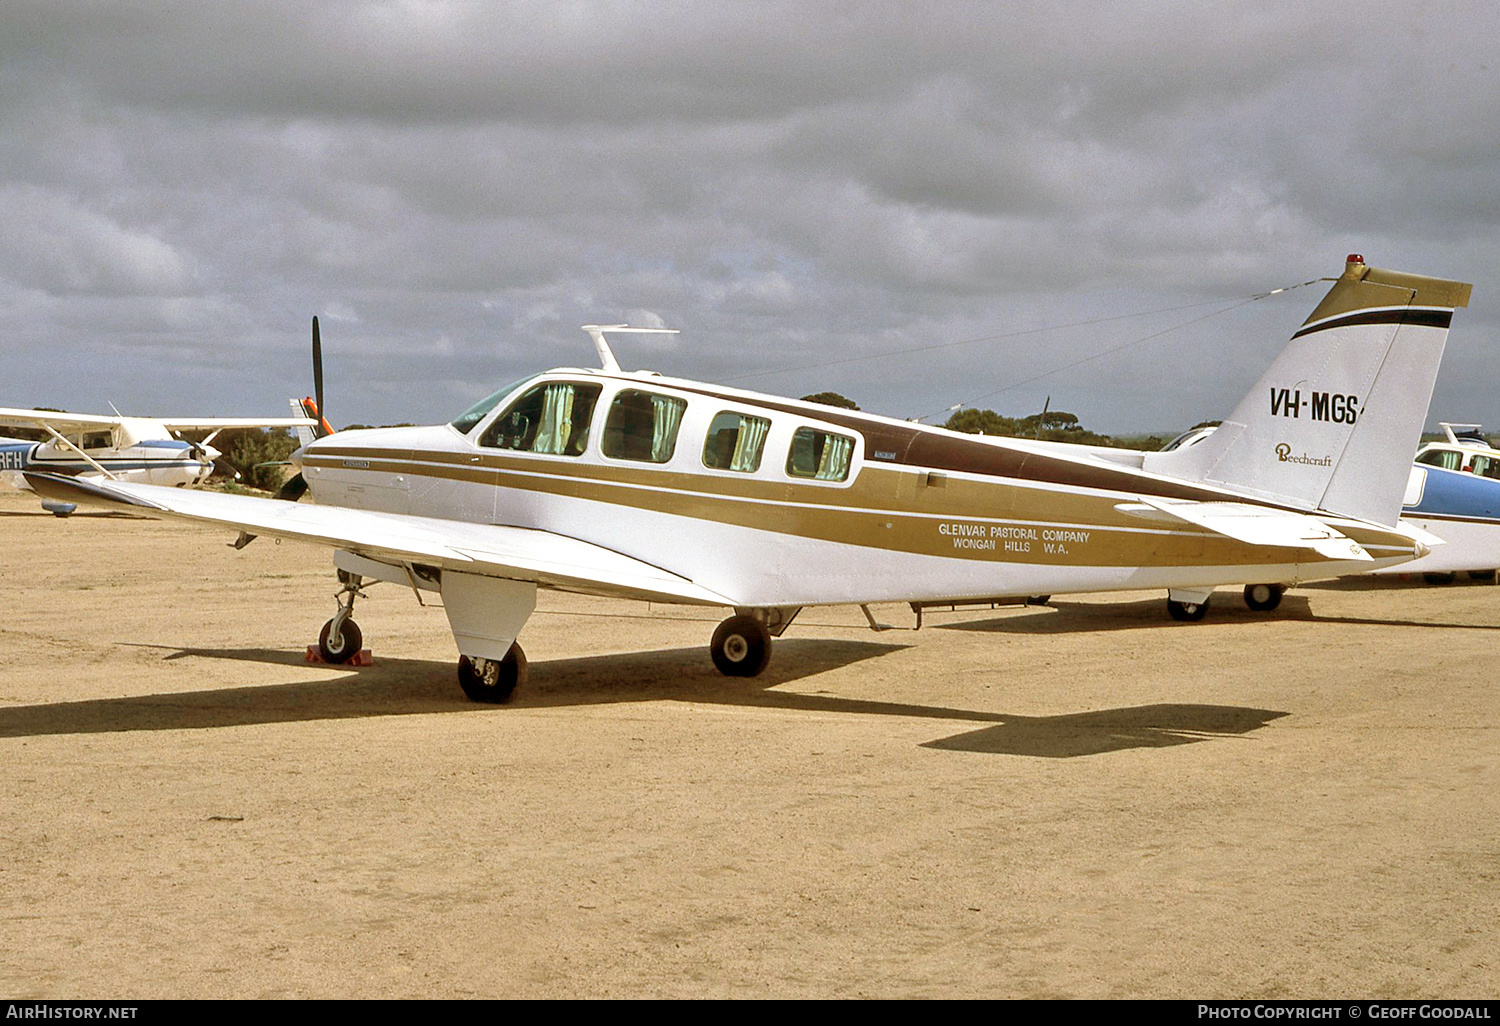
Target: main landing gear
[[493, 681], [1190, 606], [741, 646], [1263, 597]]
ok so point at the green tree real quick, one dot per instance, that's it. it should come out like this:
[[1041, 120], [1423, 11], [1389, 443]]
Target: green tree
[[258, 454], [831, 399], [1052, 426]]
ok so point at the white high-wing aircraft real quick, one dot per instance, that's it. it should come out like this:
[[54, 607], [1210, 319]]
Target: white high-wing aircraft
[[631, 484], [141, 449]]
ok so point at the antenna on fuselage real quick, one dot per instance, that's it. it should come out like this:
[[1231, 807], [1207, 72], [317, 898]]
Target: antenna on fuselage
[[607, 359]]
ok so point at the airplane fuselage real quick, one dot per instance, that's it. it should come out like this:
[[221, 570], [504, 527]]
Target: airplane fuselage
[[155, 461], [777, 502]]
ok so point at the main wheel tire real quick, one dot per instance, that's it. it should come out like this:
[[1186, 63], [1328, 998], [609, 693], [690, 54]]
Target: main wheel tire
[[1187, 612], [342, 648], [741, 647], [500, 679], [1263, 597]]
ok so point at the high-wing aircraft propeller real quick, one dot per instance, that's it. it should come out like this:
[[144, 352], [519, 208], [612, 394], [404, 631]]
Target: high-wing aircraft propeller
[[631, 484]]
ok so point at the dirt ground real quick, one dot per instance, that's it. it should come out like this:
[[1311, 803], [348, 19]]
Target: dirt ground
[[1087, 800]]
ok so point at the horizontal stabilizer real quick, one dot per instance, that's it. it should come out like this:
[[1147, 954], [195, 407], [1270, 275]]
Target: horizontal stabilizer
[[1254, 525]]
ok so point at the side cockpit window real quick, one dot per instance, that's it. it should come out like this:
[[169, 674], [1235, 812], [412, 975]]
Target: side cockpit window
[[820, 455], [552, 418], [736, 441], [642, 426]]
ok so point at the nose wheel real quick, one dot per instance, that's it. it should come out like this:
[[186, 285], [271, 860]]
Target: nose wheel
[[340, 639], [337, 643]]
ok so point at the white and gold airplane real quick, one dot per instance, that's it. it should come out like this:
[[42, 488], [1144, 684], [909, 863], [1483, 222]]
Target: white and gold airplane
[[632, 484]]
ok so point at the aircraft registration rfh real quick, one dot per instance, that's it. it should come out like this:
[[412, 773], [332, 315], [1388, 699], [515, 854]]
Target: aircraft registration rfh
[[631, 484]]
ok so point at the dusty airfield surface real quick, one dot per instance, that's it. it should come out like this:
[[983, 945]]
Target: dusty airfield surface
[[1082, 801]]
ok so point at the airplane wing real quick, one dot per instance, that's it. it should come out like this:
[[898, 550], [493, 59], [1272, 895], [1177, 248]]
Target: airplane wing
[[210, 423], [515, 553], [1255, 525], [42, 418]]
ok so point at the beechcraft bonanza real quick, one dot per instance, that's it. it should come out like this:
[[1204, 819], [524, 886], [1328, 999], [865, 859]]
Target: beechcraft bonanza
[[631, 484], [139, 449]]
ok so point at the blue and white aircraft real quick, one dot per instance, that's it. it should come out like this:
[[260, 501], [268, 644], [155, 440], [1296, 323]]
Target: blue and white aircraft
[[139, 449], [1454, 493]]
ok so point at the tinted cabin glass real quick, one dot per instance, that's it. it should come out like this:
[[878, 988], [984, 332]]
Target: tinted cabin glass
[[735, 442], [1486, 466], [642, 426], [1445, 458], [552, 418], [820, 455]]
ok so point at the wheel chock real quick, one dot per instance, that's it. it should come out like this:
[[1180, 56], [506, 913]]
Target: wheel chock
[[361, 658]]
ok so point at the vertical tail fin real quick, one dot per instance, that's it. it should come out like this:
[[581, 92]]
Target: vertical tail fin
[[308, 408], [1333, 424]]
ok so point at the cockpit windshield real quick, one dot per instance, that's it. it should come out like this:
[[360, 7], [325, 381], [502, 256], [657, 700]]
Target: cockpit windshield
[[465, 421]]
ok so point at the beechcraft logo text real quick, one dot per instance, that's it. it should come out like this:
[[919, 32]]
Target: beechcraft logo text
[[1284, 455], [1340, 409]]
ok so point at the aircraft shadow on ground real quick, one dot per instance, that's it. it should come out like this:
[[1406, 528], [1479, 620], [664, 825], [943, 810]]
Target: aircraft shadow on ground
[[405, 687], [1109, 730], [1092, 617], [1064, 617]]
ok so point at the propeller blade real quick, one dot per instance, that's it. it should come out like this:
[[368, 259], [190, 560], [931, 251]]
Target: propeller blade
[[318, 368]]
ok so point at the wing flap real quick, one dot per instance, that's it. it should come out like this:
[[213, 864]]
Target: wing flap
[[495, 550], [1254, 525]]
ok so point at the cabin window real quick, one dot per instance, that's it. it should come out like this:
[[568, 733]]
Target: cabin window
[[736, 442], [552, 418], [96, 440], [1445, 458], [1486, 466], [820, 455], [642, 426]]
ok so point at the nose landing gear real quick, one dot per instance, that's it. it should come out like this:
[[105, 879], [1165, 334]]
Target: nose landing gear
[[340, 639]]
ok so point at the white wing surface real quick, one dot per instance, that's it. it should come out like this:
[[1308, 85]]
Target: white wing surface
[[515, 553], [44, 418]]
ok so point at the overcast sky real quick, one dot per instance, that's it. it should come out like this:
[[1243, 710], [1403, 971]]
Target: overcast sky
[[816, 194]]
